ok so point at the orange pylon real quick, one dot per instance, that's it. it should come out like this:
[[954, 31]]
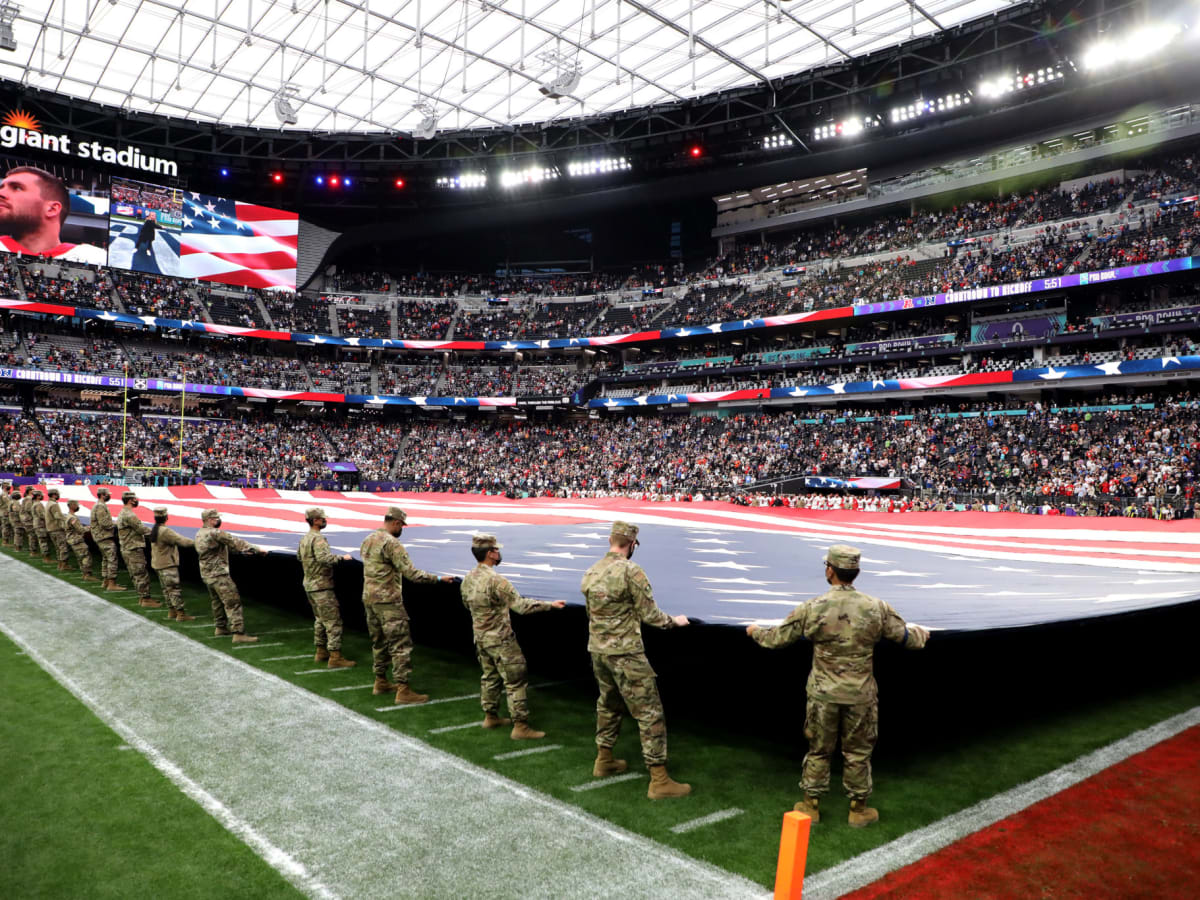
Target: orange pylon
[[793, 855]]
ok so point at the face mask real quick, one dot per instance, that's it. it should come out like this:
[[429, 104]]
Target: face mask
[[321, 525], [499, 558], [160, 520], [216, 523], [133, 503], [632, 547]]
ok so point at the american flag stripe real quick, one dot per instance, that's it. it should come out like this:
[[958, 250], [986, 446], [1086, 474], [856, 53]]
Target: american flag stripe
[[238, 243]]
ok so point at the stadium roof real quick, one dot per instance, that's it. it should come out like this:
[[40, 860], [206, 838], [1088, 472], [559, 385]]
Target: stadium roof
[[386, 65]]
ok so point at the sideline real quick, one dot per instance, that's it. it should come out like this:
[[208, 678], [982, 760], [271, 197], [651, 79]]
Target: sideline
[[869, 867], [341, 805]]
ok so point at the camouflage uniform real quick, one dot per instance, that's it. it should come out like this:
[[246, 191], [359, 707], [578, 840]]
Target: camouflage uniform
[[131, 533], [37, 512], [489, 596], [619, 599], [75, 540], [101, 527], [25, 513], [164, 559], [6, 531], [16, 519], [317, 561], [56, 529], [212, 547], [385, 564], [844, 625]]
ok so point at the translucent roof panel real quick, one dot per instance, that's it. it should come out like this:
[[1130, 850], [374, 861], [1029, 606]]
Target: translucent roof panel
[[386, 65]]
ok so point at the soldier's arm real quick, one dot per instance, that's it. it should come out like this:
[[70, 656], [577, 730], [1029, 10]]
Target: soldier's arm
[[395, 551], [321, 552], [643, 599], [517, 603], [911, 637], [233, 542], [174, 538], [787, 632]]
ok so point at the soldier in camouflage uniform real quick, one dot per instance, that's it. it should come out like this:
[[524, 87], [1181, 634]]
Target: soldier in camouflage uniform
[[6, 529], [317, 561], [385, 564], [75, 540], [164, 559], [25, 514], [619, 600], [488, 597], [56, 529], [213, 546], [131, 534], [16, 519], [844, 626], [101, 526], [37, 513]]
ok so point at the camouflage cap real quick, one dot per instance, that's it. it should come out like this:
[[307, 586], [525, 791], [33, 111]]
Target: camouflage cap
[[624, 530], [314, 512], [843, 556], [206, 514], [105, 491], [485, 542], [395, 512], [129, 495], [72, 504], [160, 510], [53, 492], [37, 495]]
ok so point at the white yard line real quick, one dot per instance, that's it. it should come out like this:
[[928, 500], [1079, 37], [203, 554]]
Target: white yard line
[[279, 797], [260, 646], [349, 687], [477, 723], [399, 706], [605, 782], [281, 658], [514, 754], [710, 819], [869, 867]]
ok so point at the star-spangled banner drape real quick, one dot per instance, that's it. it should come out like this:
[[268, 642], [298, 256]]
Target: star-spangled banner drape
[[238, 243]]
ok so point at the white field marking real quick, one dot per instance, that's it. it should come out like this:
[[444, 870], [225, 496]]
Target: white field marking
[[711, 819], [259, 633], [349, 687], [281, 787], [513, 754], [324, 671], [295, 872], [200, 624], [605, 782], [281, 658], [400, 706], [869, 867], [257, 646], [465, 725]]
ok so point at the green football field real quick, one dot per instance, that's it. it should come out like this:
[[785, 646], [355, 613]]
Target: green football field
[[72, 791]]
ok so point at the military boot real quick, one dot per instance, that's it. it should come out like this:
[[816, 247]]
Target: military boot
[[111, 585], [662, 787], [337, 661], [522, 732], [86, 577], [221, 631], [322, 655], [606, 765], [406, 695], [491, 720], [383, 686], [149, 603], [808, 806], [862, 815], [170, 614], [240, 638], [182, 616]]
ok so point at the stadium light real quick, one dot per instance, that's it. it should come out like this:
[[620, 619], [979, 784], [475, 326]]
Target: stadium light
[[346, 182], [224, 173], [696, 151], [531, 175], [777, 141], [1001, 85], [427, 127], [1130, 47], [921, 107], [320, 180], [8, 15], [846, 128], [277, 177], [598, 166], [399, 183], [465, 182], [334, 181]]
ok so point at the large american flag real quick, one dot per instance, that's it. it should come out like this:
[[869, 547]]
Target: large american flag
[[238, 243]]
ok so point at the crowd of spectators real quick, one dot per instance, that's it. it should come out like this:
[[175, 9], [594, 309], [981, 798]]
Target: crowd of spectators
[[156, 295], [86, 286]]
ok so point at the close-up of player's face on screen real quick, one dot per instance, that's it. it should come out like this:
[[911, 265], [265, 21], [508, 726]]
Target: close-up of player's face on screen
[[33, 206]]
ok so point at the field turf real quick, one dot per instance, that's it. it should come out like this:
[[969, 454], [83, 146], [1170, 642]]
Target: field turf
[[952, 770]]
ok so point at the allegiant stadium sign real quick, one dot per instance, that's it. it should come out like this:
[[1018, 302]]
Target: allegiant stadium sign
[[19, 129]]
